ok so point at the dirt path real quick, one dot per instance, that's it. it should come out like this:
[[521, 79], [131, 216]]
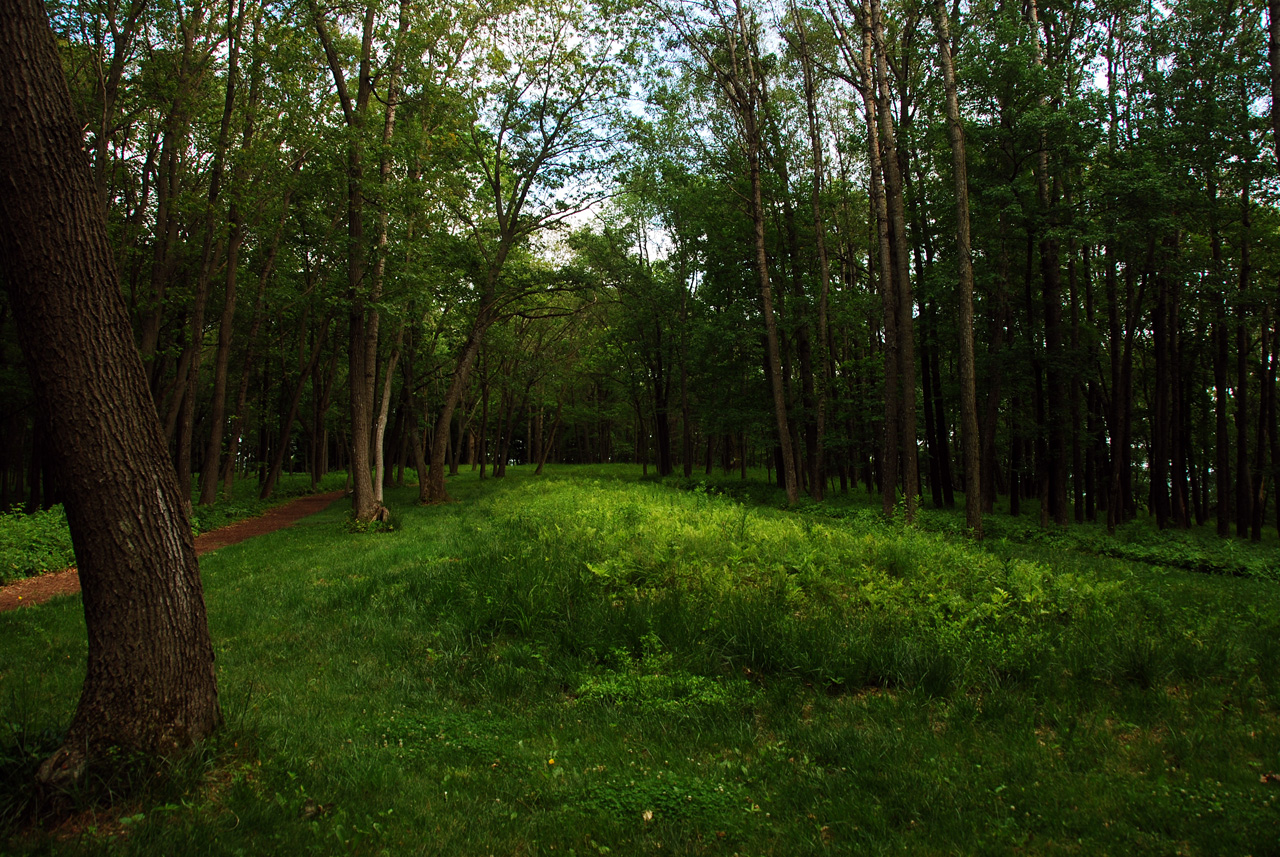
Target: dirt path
[[36, 590]]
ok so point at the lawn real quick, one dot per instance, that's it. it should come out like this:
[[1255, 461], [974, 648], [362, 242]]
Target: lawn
[[588, 662]]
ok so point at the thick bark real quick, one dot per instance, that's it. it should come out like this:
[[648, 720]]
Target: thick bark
[[150, 681]]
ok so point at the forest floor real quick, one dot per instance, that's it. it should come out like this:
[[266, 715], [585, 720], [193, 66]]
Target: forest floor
[[37, 590]]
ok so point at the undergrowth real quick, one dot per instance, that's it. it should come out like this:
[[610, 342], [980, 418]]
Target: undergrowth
[[33, 543]]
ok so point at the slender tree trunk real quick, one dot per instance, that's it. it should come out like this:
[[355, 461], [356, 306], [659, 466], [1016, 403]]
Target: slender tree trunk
[[1055, 465], [1262, 447], [551, 438], [1273, 59], [823, 392], [969, 436], [363, 312], [291, 415], [1244, 496], [1160, 409], [431, 488], [772, 351], [210, 468], [902, 283], [246, 371], [380, 426]]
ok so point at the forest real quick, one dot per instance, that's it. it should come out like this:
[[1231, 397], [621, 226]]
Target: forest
[[1021, 252], [728, 427]]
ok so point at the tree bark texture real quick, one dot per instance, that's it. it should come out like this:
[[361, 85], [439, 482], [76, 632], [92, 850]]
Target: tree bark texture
[[150, 681]]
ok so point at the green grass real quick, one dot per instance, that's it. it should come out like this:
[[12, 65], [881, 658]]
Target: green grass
[[36, 543], [590, 663]]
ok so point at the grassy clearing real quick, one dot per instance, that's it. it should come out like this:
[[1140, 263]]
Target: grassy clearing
[[583, 664]]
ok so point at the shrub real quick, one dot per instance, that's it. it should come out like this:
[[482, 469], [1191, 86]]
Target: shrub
[[34, 543]]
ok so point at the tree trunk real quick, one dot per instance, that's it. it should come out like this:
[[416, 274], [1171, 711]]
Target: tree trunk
[[1273, 59], [380, 427], [150, 682], [905, 343], [772, 351], [291, 416], [363, 311], [1244, 496], [210, 469]]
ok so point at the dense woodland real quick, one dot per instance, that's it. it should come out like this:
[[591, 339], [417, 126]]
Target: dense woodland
[[1027, 253]]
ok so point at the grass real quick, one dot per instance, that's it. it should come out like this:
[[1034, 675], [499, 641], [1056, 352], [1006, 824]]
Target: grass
[[590, 663], [36, 543]]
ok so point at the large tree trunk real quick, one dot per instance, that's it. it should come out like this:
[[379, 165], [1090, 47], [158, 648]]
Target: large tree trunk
[[150, 681]]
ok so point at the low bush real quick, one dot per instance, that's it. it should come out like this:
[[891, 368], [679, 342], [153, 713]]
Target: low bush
[[34, 543]]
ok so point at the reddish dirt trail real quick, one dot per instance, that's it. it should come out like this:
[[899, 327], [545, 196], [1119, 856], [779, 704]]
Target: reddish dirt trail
[[36, 590]]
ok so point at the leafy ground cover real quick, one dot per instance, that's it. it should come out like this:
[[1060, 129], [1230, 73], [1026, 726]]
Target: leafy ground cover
[[36, 543], [589, 663], [1199, 549]]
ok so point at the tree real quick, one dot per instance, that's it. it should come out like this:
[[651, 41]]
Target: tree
[[726, 39], [968, 393], [363, 314], [545, 77], [150, 683]]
